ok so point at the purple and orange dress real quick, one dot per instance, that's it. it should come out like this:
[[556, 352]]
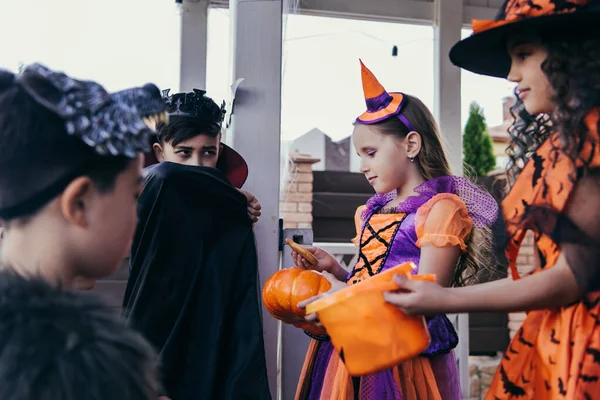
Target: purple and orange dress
[[443, 212]]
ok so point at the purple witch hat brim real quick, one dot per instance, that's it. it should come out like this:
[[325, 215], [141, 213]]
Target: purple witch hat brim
[[385, 106]]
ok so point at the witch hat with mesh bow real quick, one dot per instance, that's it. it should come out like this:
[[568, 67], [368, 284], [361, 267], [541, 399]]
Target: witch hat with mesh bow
[[381, 105], [485, 51]]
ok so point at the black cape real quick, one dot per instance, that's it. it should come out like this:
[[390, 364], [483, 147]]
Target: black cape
[[193, 289]]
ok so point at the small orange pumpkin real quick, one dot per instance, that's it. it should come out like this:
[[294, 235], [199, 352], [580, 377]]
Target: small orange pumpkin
[[288, 287]]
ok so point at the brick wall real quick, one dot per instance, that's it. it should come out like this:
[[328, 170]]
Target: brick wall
[[525, 264], [296, 196], [481, 373]]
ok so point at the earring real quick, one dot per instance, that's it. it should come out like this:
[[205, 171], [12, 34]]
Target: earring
[[411, 159]]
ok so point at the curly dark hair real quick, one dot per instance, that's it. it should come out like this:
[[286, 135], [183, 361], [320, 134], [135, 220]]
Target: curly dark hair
[[573, 70]]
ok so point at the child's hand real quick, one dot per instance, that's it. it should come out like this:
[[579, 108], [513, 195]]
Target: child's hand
[[325, 261], [417, 296], [254, 207], [336, 285]]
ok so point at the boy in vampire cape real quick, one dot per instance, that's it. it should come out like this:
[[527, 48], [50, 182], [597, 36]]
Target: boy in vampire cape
[[193, 285]]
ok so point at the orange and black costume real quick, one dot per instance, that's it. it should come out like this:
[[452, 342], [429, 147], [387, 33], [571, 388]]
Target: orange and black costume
[[556, 352]]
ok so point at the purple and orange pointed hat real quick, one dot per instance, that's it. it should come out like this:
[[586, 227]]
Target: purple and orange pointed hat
[[381, 105]]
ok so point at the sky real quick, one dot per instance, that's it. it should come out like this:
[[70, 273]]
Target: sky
[[122, 43], [321, 72], [119, 43]]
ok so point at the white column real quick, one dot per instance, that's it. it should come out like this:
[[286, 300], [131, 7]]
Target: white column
[[255, 132], [194, 21], [447, 24]]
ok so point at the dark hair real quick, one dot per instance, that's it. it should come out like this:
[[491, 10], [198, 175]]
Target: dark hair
[[433, 163], [104, 173], [34, 141], [57, 344], [573, 70], [182, 128], [205, 119]]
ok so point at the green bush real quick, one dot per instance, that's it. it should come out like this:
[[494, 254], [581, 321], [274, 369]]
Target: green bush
[[477, 144]]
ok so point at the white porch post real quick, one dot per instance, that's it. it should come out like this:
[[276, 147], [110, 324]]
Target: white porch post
[[447, 24], [194, 21], [256, 126]]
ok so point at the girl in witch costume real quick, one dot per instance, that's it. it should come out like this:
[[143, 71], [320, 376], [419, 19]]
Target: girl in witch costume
[[421, 214], [551, 50]]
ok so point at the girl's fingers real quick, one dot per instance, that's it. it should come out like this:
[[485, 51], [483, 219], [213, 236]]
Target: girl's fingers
[[313, 319], [295, 258], [301, 261], [407, 285], [406, 302], [306, 302], [397, 299], [330, 277]]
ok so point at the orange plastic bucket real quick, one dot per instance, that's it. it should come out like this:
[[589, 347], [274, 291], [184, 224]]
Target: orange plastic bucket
[[369, 334]]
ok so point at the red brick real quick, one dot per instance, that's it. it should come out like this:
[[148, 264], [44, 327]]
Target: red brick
[[305, 207], [525, 269], [513, 327], [289, 187], [305, 187], [526, 250], [297, 197], [528, 240], [303, 177], [302, 167], [289, 207], [524, 260], [296, 217], [519, 316]]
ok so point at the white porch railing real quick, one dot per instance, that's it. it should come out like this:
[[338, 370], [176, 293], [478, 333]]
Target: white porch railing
[[342, 251]]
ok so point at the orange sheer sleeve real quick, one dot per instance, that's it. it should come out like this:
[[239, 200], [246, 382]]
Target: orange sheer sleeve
[[358, 223], [442, 221]]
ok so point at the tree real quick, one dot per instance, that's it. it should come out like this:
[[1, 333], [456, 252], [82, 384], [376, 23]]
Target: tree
[[477, 144]]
